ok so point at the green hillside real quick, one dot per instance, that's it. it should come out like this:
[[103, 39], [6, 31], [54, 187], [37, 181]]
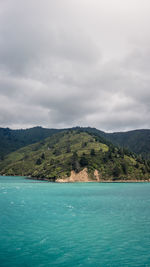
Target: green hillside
[[137, 141], [11, 140], [56, 156]]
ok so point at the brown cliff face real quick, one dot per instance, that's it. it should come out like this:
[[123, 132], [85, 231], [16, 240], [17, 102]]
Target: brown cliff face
[[82, 176]]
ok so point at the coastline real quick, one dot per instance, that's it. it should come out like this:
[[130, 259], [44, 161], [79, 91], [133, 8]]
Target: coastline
[[107, 181], [83, 179], [62, 181]]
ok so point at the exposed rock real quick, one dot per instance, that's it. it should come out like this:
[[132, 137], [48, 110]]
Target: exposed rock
[[82, 176], [96, 175]]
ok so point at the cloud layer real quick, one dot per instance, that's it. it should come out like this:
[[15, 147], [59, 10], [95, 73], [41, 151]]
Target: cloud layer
[[75, 62]]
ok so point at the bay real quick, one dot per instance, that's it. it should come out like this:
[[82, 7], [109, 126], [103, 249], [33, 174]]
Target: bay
[[74, 224]]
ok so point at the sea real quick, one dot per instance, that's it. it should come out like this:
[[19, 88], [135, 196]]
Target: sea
[[74, 224]]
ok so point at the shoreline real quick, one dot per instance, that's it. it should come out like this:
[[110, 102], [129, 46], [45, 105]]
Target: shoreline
[[89, 181], [66, 181]]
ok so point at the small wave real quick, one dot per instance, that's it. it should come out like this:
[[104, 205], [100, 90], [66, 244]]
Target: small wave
[[17, 187], [43, 240], [69, 206]]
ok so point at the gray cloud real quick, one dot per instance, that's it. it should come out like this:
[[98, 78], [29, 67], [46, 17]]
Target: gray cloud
[[72, 62]]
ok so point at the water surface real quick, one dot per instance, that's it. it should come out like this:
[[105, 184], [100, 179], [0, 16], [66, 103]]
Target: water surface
[[81, 224]]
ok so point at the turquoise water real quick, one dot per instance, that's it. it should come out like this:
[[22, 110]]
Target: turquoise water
[[82, 224]]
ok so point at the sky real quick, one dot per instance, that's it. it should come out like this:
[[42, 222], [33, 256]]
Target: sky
[[67, 63]]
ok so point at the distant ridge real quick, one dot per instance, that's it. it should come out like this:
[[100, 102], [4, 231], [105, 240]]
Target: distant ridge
[[11, 140], [138, 141]]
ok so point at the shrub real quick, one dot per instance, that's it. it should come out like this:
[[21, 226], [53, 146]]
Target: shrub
[[92, 152], [38, 161], [83, 161], [116, 171]]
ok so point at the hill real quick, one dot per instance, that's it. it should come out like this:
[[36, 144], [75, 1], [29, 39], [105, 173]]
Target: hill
[[138, 141], [11, 140], [75, 155]]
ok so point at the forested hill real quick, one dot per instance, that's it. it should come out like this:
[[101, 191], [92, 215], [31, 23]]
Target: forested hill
[[137, 141], [75, 155], [11, 140]]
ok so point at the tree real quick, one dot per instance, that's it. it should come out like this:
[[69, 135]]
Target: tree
[[43, 156], [75, 162], [137, 165], [38, 161], [2, 157], [116, 171], [68, 150], [143, 170], [56, 152], [105, 158], [124, 168], [83, 161], [84, 144], [109, 153], [121, 153], [92, 152]]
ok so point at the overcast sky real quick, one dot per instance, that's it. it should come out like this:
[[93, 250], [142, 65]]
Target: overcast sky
[[65, 63]]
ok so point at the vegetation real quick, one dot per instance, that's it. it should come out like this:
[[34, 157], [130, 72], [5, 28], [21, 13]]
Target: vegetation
[[137, 141], [55, 157], [11, 140]]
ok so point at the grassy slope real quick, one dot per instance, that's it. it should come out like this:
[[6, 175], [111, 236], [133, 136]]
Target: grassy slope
[[137, 141], [11, 140], [53, 157]]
